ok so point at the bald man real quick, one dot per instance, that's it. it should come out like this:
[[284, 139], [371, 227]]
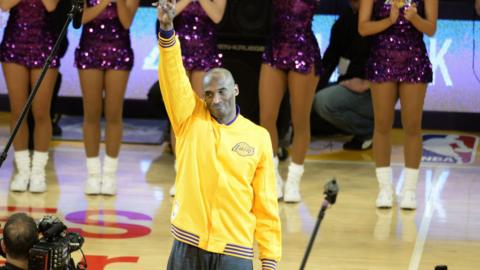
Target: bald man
[[226, 193], [19, 236]]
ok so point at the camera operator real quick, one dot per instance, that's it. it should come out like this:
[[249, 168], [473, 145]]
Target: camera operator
[[19, 236]]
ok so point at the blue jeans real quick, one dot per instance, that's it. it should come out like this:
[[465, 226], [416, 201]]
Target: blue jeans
[[188, 257], [349, 111]]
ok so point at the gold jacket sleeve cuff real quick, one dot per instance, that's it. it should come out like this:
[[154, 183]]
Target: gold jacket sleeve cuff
[[166, 42], [268, 264]]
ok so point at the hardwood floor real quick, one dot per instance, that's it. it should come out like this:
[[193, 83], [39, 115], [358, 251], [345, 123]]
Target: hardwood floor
[[132, 231]]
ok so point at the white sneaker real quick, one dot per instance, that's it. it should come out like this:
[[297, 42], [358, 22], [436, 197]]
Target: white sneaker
[[409, 191], [38, 183], [408, 201], [93, 184], [109, 184], [292, 191], [385, 198], [20, 182], [172, 191], [38, 186]]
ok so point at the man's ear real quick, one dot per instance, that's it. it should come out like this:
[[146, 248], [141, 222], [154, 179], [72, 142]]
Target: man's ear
[[237, 91], [4, 248]]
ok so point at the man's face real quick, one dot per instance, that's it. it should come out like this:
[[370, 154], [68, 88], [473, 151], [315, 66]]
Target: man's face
[[220, 98]]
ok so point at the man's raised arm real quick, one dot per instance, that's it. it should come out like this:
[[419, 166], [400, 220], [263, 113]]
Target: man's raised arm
[[177, 92]]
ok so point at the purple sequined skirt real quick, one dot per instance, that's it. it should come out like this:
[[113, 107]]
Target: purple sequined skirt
[[29, 36], [198, 39], [292, 45], [398, 54], [412, 66], [201, 58], [104, 44], [104, 57], [299, 54], [32, 56]]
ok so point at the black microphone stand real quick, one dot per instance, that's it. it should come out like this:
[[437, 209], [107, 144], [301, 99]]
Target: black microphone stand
[[330, 190], [28, 104]]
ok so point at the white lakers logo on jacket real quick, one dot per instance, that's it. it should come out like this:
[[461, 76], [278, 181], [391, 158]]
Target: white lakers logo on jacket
[[243, 149]]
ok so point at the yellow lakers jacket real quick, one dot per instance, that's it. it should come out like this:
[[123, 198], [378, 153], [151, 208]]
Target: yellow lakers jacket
[[226, 188]]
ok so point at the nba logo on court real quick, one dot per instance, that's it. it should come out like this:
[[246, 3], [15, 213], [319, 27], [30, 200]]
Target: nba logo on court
[[452, 149]]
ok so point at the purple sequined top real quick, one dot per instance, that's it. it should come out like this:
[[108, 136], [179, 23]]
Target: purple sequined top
[[293, 45], [198, 39], [398, 53], [105, 43], [29, 36]]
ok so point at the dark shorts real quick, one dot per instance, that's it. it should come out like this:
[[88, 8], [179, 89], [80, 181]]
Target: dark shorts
[[187, 257]]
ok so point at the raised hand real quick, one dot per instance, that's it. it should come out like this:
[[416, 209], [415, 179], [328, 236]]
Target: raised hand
[[394, 11], [410, 12], [356, 85], [166, 13]]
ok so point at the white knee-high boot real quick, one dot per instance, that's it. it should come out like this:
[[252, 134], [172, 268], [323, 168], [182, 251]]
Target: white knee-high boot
[[22, 177], [409, 190], [385, 194], [278, 177], [94, 179], [38, 178], [292, 185], [109, 179]]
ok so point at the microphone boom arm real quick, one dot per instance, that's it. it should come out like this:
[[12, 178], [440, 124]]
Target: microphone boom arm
[[330, 190]]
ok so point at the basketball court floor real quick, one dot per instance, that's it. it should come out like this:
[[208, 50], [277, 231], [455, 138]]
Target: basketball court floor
[[132, 230]]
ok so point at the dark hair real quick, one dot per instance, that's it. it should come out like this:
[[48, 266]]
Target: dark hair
[[19, 235]]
